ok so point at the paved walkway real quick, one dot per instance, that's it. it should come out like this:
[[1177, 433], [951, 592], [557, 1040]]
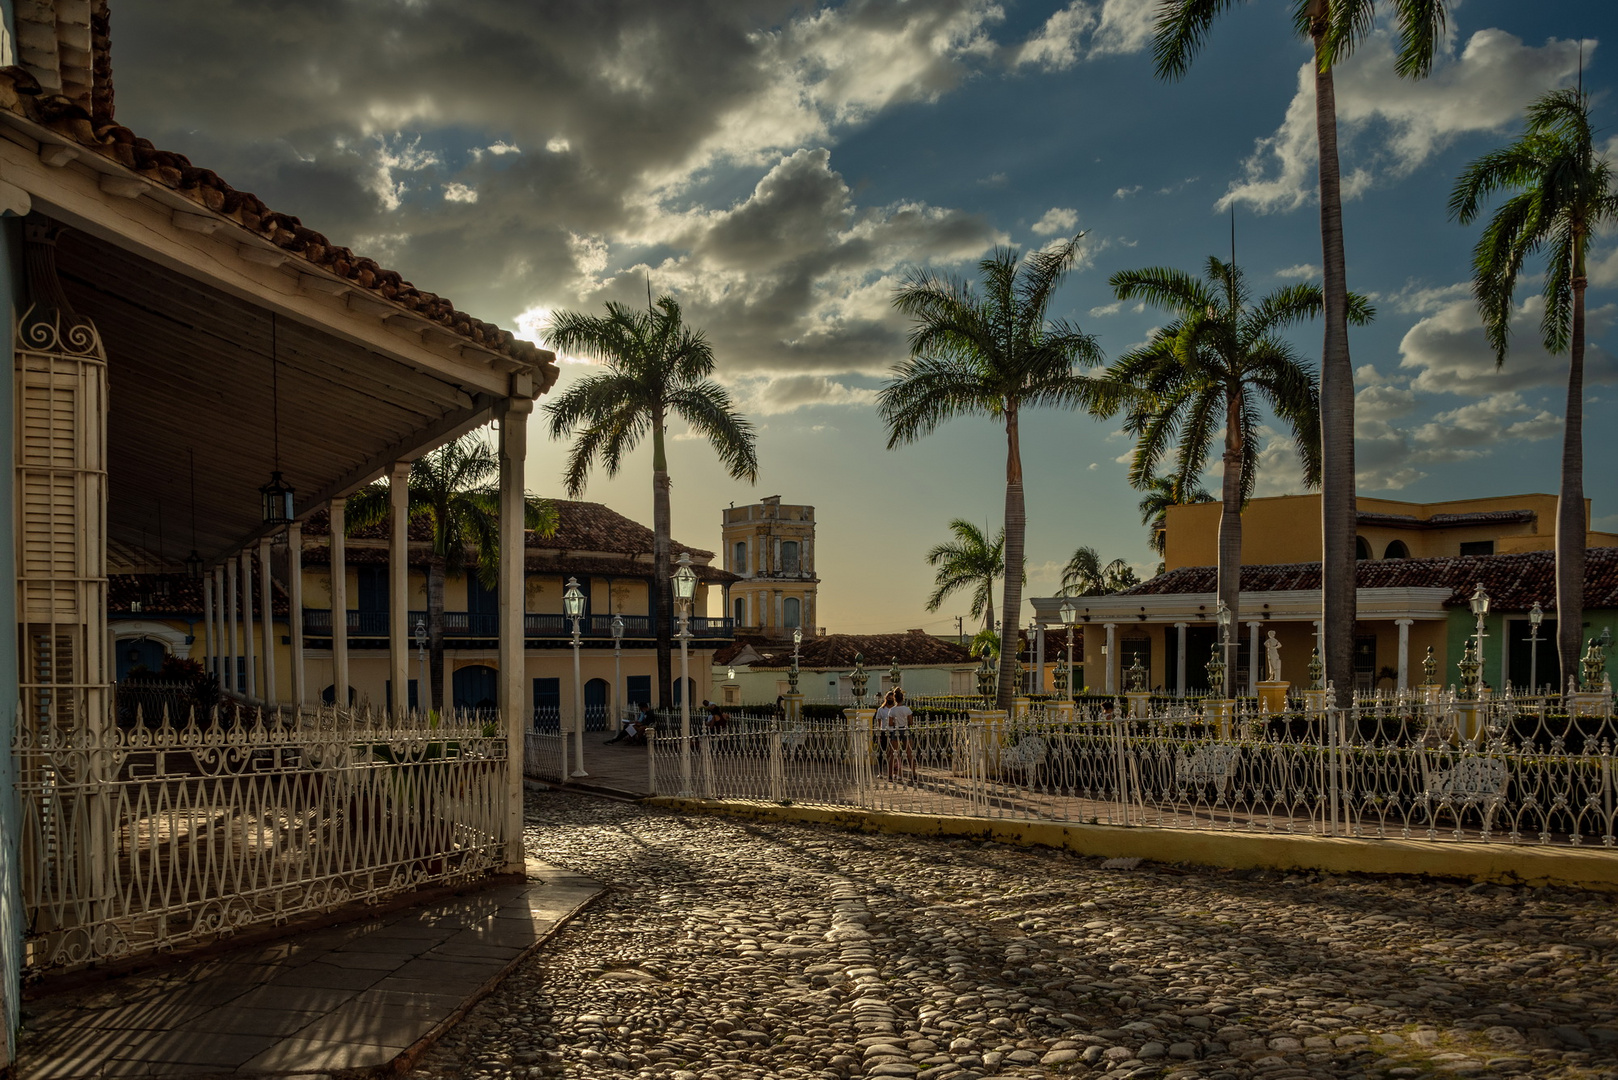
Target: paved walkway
[[350, 997]]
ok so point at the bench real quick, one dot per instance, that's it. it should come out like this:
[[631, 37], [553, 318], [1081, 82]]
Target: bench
[[1478, 781], [1215, 765]]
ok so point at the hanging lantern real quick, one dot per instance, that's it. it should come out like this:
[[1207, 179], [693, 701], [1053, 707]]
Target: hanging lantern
[[276, 498], [193, 566]]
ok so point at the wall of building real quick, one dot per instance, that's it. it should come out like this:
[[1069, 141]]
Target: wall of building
[[1286, 529]]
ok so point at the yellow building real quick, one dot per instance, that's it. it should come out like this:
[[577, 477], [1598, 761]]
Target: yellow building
[[771, 548], [1287, 529], [1419, 564]]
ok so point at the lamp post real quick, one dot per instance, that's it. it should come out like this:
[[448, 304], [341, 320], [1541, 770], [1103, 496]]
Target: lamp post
[[573, 608], [421, 662], [618, 669], [685, 590], [1536, 616], [1480, 611], [1224, 617], [1069, 612]]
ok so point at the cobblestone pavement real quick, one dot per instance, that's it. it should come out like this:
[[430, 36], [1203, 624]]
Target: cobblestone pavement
[[730, 949]]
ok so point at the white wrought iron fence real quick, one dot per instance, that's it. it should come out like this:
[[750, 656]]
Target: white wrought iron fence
[[542, 755], [1396, 768], [140, 837]]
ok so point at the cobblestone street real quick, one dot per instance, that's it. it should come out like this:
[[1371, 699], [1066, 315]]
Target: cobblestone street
[[728, 949]]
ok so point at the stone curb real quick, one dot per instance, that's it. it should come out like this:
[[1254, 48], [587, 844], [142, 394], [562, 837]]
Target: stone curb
[[1504, 864]]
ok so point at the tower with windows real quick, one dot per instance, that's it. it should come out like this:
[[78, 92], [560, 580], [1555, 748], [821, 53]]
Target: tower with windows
[[772, 547]]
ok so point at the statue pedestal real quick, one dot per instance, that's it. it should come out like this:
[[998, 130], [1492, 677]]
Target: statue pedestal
[[1272, 696], [1314, 701], [1428, 693], [1469, 719], [1060, 711], [1592, 703], [792, 709], [1021, 707], [1139, 702], [1221, 712]]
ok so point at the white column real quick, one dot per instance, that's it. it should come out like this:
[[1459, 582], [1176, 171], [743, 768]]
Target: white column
[[339, 602], [1179, 659], [399, 586], [231, 681], [249, 649], [1112, 657], [1252, 658], [210, 651], [513, 457], [1404, 652], [300, 684], [1039, 658], [227, 617], [266, 588]]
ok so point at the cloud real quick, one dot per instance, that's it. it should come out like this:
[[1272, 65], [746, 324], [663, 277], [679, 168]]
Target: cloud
[[1388, 125], [458, 192], [1106, 309], [1126, 192], [1299, 272], [1056, 220], [1113, 28], [788, 393], [1390, 446], [1447, 352]]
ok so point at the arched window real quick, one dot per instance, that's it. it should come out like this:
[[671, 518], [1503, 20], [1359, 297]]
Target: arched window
[[1362, 548], [789, 558], [792, 612], [476, 687], [1396, 550], [740, 605], [738, 561], [596, 697]]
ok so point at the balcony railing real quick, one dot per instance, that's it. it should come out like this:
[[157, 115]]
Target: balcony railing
[[477, 624]]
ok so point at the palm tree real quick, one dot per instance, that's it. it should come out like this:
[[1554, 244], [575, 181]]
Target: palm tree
[[1211, 368], [656, 367], [1334, 28], [1561, 193], [1084, 575], [971, 559], [1163, 492], [992, 353], [456, 489]]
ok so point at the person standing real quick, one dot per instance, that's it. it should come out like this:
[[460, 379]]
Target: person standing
[[883, 735], [899, 715]]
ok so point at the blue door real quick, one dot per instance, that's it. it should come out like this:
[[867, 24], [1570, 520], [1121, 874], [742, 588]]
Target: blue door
[[596, 696], [140, 653], [548, 704], [476, 687]]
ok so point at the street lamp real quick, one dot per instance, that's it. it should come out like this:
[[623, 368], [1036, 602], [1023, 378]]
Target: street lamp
[[1536, 616], [1224, 617], [573, 608], [792, 672], [618, 669], [685, 591], [1480, 611], [1069, 612], [421, 660]]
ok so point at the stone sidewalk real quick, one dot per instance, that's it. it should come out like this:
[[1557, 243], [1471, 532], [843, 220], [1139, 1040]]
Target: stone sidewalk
[[358, 996]]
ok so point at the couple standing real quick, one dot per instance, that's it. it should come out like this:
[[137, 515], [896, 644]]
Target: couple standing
[[893, 732]]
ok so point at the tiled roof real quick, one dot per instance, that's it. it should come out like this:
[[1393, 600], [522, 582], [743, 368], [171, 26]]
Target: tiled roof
[[1513, 582], [183, 597], [838, 650], [580, 526], [22, 94]]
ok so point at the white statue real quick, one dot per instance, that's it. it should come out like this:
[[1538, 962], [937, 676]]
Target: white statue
[[1272, 652]]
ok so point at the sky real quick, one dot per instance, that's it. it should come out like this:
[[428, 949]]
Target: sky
[[778, 167]]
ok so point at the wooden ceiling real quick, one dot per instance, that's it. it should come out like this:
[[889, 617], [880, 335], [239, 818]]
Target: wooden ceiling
[[189, 373]]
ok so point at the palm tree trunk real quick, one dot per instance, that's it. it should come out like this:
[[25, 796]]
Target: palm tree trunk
[[1230, 536], [1570, 516], [988, 605], [435, 631], [1337, 503], [662, 557], [1016, 522]]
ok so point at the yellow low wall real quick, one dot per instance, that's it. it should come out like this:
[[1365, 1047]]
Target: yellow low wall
[[1503, 864]]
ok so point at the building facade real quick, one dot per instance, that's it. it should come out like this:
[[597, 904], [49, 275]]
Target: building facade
[[771, 548], [754, 670], [1419, 566]]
